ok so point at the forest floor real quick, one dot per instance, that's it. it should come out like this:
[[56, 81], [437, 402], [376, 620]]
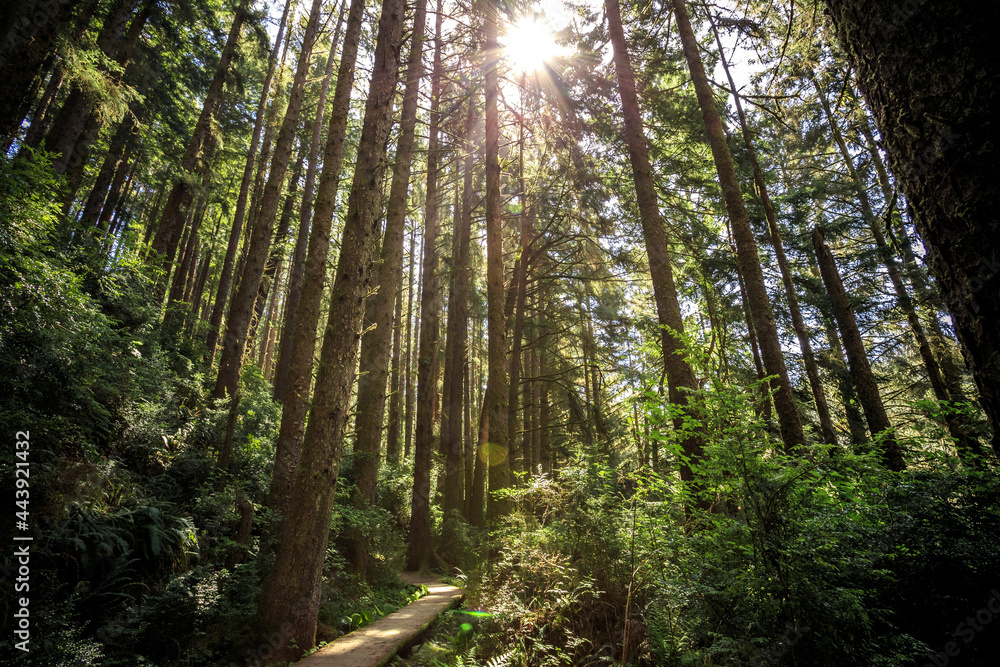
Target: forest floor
[[376, 644]]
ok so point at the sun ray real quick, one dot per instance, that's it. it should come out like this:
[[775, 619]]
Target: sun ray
[[530, 44]]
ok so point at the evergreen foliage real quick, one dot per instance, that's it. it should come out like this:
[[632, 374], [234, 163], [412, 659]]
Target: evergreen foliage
[[706, 374]]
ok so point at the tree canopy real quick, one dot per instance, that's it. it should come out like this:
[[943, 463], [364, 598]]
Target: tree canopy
[[666, 329]]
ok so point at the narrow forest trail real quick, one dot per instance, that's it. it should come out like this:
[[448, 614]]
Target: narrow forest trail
[[376, 644]]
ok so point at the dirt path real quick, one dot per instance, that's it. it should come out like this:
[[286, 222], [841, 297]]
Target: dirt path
[[375, 645]]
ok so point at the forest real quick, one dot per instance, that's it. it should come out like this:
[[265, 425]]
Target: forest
[[666, 330]]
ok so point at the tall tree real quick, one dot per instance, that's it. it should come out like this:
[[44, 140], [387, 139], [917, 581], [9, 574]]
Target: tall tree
[[305, 221], [746, 247], [903, 299], [30, 31], [798, 323], [458, 333], [376, 344], [681, 380], [241, 306], [418, 540], [292, 591], [861, 372], [931, 79], [497, 446], [303, 347]]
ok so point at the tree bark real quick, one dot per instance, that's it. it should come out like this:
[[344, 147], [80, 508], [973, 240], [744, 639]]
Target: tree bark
[[393, 430], [903, 299], [276, 255], [746, 247], [835, 361], [418, 548], [305, 220], [300, 364], [497, 446], [861, 372], [292, 592], [931, 79], [408, 355], [376, 344], [242, 304], [127, 132], [519, 287], [41, 117], [480, 474]]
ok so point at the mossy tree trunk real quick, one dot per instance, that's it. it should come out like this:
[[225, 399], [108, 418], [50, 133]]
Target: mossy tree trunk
[[497, 445], [301, 358], [376, 344], [930, 75]]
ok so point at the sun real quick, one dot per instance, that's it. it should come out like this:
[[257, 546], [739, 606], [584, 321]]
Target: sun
[[530, 44]]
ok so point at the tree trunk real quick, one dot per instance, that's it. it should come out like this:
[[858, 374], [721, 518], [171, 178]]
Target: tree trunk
[[903, 299], [199, 288], [680, 376], [798, 323], [376, 344], [457, 337], [746, 247], [292, 592], [41, 117], [300, 363], [469, 452], [930, 77], [395, 385], [297, 270], [276, 255], [127, 132], [242, 305], [544, 408], [477, 493], [186, 259], [497, 446], [418, 547], [945, 379], [835, 361], [267, 337], [183, 261], [764, 407], [861, 372], [519, 287], [408, 355], [228, 262], [119, 187]]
